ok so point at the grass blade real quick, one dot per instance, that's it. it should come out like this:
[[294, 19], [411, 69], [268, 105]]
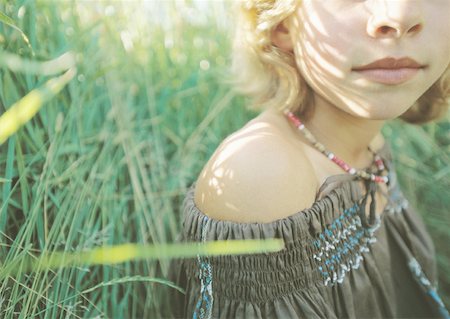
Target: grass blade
[[18, 64], [110, 255], [23, 110], [10, 22]]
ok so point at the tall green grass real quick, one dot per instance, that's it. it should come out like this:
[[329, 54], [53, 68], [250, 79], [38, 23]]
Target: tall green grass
[[109, 159]]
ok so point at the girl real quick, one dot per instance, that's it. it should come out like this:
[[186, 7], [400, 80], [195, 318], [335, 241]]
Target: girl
[[314, 169]]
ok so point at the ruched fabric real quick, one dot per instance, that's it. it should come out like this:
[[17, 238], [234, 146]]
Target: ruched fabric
[[331, 266]]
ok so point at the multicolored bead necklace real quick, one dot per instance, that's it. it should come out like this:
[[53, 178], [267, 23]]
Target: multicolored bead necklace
[[361, 173]]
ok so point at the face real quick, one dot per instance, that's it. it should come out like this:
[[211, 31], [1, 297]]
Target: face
[[332, 38]]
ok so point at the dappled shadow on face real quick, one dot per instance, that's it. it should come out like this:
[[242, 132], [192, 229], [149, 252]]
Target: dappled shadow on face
[[330, 40]]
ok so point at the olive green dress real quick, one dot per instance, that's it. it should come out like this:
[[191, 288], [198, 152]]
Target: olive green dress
[[335, 264]]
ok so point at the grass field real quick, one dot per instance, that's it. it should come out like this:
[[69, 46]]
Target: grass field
[[108, 159]]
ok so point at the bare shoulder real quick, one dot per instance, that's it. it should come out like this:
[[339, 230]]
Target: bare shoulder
[[255, 176]]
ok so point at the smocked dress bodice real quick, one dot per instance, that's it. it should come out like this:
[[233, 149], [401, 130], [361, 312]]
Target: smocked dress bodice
[[332, 265]]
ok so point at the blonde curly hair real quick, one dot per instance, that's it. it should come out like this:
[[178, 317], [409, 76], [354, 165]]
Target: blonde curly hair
[[270, 76]]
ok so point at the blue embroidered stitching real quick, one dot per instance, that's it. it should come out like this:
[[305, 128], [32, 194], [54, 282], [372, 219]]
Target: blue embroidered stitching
[[203, 308], [332, 248], [416, 269]]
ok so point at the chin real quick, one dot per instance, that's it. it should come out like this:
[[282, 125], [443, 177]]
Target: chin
[[383, 117], [376, 115], [377, 112]]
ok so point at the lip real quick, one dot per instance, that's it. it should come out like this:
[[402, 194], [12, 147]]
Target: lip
[[391, 63], [390, 76], [390, 70]]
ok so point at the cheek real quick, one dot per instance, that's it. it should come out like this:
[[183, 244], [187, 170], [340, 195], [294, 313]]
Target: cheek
[[319, 58], [443, 49], [324, 46], [328, 35], [323, 62], [437, 35]]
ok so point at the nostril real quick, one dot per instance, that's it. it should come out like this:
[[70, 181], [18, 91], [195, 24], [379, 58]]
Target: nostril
[[416, 28], [385, 29]]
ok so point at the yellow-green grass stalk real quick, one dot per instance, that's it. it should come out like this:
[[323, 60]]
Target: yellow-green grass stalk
[[10, 22], [23, 110], [110, 255], [55, 66]]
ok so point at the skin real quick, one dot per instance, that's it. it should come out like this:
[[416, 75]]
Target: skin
[[328, 38]]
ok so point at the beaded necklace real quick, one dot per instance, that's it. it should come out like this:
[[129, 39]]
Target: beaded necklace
[[377, 177]]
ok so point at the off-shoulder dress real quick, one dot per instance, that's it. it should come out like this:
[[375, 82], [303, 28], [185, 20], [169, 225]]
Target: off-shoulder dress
[[333, 265]]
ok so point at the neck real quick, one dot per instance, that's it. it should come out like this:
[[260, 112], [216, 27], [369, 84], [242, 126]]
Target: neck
[[345, 135]]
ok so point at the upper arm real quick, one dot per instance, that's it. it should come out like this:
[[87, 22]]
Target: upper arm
[[255, 179]]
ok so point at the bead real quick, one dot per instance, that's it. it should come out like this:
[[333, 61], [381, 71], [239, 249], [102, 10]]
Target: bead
[[294, 119], [379, 179], [308, 135], [378, 161]]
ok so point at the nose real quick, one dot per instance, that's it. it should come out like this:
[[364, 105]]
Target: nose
[[395, 18]]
